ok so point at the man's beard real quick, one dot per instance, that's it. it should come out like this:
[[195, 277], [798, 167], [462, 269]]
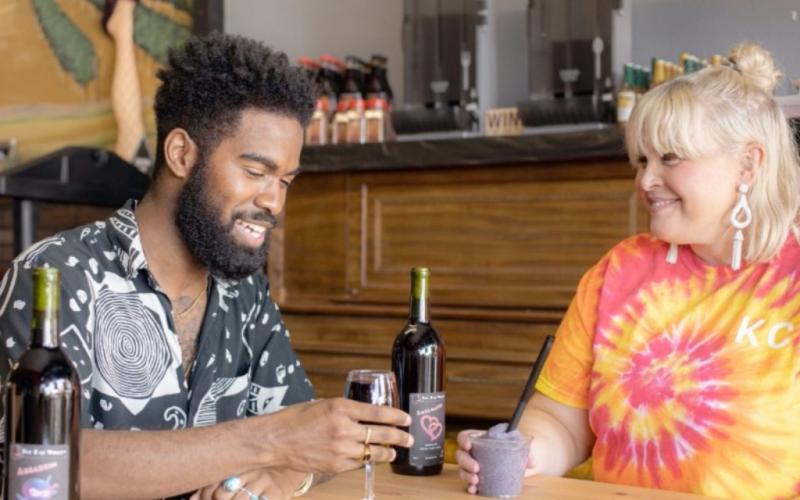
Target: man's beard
[[209, 239]]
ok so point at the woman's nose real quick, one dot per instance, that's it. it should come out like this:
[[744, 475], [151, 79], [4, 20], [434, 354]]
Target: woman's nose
[[648, 177]]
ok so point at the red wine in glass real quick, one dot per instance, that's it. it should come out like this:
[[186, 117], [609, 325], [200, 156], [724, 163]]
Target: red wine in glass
[[374, 387]]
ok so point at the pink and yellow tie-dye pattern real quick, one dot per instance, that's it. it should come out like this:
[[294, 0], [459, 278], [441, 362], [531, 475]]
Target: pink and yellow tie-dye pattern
[[689, 371]]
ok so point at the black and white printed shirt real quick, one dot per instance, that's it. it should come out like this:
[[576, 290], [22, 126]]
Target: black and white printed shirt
[[117, 327]]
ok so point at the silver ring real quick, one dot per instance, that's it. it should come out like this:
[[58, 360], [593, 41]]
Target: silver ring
[[253, 496], [234, 484]]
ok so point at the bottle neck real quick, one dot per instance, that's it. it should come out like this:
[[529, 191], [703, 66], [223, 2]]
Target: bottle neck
[[45, 329], [46, 292], [420, 309]]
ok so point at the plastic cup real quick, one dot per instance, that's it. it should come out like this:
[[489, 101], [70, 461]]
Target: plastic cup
[[502, 464]]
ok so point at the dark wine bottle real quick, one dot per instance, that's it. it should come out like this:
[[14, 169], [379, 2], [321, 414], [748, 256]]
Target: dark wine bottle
[[42, 407], [418, 364]]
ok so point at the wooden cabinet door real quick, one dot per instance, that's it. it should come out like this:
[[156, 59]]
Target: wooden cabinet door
[[491, 238]]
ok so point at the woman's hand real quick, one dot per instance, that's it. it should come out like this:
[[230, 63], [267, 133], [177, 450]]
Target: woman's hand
[[467, 466]]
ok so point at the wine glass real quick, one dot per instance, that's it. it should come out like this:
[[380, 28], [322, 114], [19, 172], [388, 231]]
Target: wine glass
[[376, 387]]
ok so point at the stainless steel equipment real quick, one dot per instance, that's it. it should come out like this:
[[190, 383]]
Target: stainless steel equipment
[[468, 44]]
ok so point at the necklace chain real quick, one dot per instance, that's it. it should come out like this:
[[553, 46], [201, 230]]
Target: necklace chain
[[191, 306]]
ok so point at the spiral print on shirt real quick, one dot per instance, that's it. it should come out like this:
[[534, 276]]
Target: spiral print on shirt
[[131, 352]]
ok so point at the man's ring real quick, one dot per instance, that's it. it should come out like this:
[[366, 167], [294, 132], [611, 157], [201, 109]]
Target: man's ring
[[367, 455], [369, 435], [234, 484]]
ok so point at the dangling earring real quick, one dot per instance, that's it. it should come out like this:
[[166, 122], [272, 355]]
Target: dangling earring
[[672, 254], [741, 217]]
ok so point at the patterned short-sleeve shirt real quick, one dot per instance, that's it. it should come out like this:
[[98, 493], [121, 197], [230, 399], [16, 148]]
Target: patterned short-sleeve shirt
[[117, 327]]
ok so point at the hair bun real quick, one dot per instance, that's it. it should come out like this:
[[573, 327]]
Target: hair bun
[[756, 65]]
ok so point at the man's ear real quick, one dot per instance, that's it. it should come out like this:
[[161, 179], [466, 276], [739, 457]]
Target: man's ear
[[180, 153], [753, 159]]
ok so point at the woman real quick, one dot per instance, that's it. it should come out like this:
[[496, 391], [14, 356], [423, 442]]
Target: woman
[[676, 364]]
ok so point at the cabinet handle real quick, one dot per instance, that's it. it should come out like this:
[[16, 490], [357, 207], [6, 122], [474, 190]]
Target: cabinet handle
[[327, 371], [486, 381]]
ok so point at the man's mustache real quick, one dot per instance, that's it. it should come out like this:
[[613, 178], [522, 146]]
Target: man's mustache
[[258, 216]]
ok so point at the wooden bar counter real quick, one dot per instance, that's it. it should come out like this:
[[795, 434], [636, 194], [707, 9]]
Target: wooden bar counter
[[507, 226], [448, 486]]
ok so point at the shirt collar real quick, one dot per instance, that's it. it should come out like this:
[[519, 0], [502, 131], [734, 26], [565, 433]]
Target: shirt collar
[[125, 231]]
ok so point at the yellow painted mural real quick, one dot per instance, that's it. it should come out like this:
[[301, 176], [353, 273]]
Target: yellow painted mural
[[57, 64]]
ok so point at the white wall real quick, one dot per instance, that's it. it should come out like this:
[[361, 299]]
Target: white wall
[[648, 28], [665, 28], [315, 27]]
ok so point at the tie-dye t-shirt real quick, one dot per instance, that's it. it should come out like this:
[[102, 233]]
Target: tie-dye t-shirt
[[690, 372]]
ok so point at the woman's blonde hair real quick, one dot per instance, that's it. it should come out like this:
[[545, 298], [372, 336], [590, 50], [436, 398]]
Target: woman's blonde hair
[[725, 108]]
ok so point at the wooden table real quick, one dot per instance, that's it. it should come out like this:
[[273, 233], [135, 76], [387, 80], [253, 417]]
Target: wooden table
[[448, 486]]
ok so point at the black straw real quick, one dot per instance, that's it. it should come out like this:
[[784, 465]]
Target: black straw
[[527, 392]]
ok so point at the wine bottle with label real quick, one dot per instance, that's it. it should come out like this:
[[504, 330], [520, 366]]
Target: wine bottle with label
[[42, 407], [418, 359]]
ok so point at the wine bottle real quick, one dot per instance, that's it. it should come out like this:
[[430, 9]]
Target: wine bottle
[[418, 358], [42, 407]]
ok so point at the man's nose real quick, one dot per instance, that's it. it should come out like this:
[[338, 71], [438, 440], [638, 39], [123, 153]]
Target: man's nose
[[271, 197]]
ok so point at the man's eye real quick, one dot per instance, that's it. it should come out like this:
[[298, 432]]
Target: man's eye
[[254, 173], [286, 182]]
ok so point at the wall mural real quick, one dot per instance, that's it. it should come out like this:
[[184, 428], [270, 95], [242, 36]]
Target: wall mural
[[57, 67]]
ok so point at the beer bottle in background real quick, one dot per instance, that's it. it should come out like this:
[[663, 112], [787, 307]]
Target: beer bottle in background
[[659, 72], [626, 97], [348, 122], [379, 64], [377, 112], [317, 129], [418, 363], [353, 96], [334, 72], [42, 407]]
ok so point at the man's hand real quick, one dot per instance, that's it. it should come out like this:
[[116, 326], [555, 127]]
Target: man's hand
[[275, 484], [327, 436]]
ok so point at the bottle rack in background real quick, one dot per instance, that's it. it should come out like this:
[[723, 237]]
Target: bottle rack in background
[[638, 79], [353, 100]]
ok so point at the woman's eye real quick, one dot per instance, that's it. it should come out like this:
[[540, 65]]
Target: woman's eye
[[670, 159], [641, 162]]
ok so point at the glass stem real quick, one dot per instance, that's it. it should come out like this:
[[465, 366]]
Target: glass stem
[[369, 480]]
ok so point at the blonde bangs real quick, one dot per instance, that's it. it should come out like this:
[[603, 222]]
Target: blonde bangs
[[667, 119], [718, 110]]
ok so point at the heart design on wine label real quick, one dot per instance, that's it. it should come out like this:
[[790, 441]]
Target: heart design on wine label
[[431, 425]]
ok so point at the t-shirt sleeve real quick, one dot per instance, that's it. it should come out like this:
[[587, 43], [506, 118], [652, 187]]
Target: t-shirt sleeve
[[567, 372], [279, 378]]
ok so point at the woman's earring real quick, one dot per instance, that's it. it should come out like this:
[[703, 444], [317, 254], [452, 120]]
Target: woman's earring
[[741, 217], [672, 254]]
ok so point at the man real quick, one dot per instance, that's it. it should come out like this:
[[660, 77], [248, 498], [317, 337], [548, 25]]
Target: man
[[165, 312]]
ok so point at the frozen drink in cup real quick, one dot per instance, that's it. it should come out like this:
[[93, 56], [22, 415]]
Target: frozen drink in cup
[[502, 457]]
